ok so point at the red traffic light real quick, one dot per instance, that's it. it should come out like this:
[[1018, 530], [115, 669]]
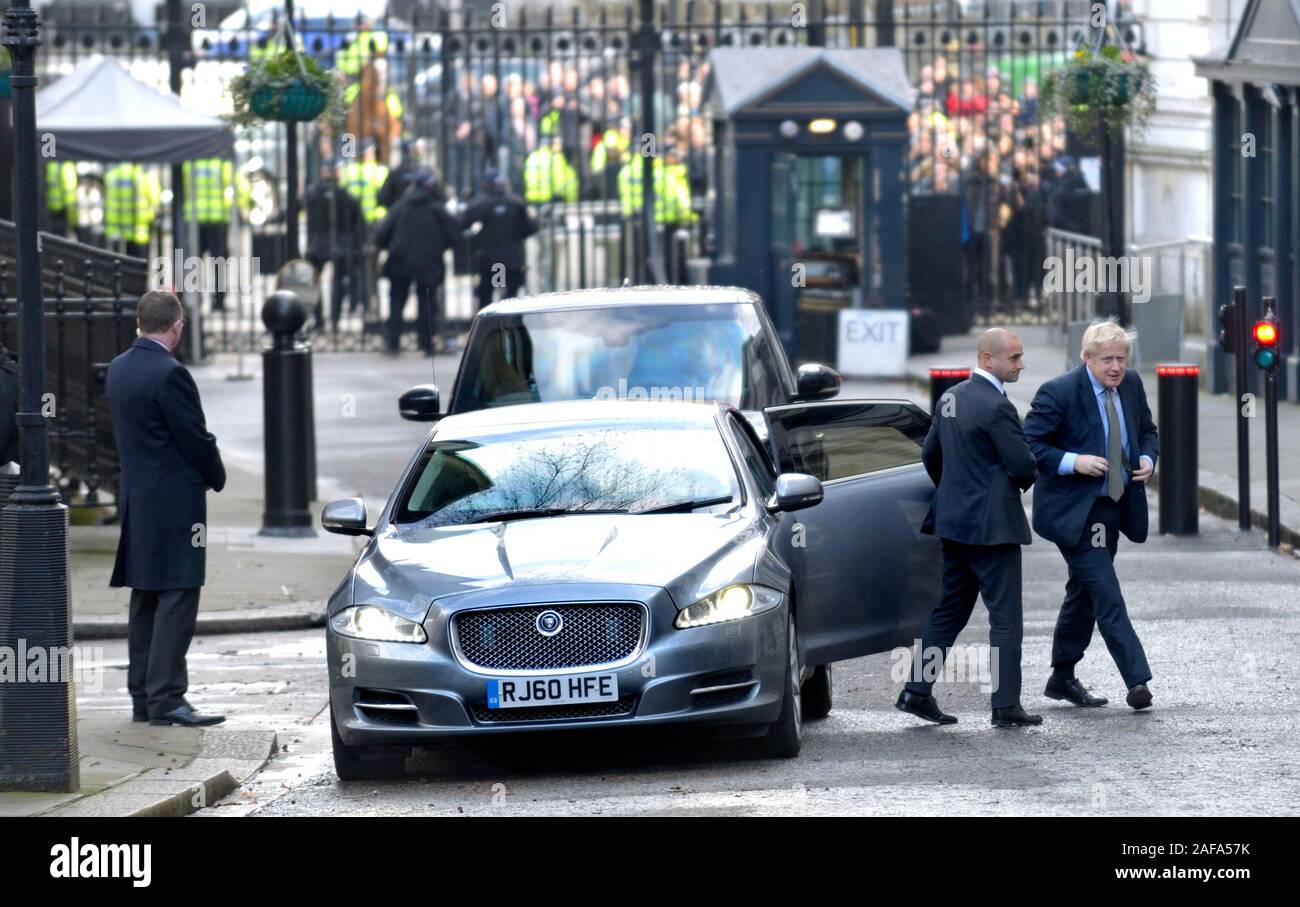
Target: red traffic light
[[1266, 333]]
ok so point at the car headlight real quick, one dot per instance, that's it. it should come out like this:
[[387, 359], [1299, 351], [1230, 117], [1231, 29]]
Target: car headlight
[[729, 603], [374, 622]]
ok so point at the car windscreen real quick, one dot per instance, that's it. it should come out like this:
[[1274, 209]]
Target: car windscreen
[[677, 352], [593, 467]]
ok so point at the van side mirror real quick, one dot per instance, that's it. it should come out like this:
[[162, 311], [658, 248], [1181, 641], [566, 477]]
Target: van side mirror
[[795, 491], [421, 404]]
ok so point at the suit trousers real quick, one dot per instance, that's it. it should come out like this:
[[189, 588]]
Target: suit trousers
[[1093, 597], [158, 637], [969, 571]]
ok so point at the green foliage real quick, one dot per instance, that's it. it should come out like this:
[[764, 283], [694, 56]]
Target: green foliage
[[1110, 84], [277, 86]]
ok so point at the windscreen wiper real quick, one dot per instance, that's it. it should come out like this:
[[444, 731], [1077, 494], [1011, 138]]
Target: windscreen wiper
[[688, 506], [504, 515]]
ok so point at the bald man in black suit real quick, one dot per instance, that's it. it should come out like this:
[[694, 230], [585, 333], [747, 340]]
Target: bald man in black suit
[[977, 455]]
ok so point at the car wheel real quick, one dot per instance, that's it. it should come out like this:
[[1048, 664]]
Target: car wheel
[[786, 736], [358, 763], [817, 693]]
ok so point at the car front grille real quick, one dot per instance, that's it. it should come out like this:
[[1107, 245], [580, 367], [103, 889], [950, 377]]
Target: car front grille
[[508, 639], [617, 709]]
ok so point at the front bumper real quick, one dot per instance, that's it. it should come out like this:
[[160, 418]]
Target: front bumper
[[401, 694]]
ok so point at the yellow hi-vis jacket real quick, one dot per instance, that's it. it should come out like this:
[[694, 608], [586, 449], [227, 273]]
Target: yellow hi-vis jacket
[[131, 197], [548, 177], [210, 188], [363, 180], [672, 190]]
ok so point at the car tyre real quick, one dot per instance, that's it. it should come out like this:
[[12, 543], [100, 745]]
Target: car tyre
[[785, 736], [355, 763], [817, 693]]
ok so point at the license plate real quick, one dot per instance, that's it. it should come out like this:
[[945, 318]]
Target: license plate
[[525, 692]]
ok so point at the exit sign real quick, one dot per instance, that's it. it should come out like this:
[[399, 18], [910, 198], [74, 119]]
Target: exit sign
[[873, 342]]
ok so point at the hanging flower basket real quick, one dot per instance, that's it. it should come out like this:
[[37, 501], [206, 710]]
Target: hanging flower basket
[[294, 102], [286, 86], [1107, 83]]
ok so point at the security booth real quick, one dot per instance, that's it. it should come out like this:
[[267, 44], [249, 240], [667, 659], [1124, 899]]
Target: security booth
[[1255, 83], [808, 190]]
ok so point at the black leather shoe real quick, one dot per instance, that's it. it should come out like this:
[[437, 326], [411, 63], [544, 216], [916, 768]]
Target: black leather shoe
[[1072, 690], [923, 707], [139, 716], [1014, 716], [186, 717], [1139, 697]]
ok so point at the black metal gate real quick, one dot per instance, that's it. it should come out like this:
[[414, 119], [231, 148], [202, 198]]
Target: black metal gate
[[490, 84]]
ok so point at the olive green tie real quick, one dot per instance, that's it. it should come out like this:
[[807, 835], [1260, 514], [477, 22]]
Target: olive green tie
[[1114, 451]]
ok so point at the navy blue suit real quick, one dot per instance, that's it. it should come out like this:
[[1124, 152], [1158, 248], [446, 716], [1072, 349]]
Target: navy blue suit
[[977, 457], [1075, 512], [169, 460]]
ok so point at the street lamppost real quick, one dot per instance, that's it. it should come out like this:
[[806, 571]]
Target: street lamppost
[[38, 708]]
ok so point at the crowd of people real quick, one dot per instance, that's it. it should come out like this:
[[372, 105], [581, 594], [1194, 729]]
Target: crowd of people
[[982, 136]]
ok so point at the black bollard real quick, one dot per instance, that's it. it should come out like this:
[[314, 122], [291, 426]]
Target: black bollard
[[1179, 448], [941, 381], [287, 427]]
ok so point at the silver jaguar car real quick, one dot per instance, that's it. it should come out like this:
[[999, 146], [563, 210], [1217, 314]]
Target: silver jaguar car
[[614, 563]]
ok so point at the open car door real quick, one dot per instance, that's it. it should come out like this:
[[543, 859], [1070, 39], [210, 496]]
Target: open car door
[[866, 578]]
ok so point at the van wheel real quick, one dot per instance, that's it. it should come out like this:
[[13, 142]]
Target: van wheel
[[363, 763], [817, 693], [785, 736]]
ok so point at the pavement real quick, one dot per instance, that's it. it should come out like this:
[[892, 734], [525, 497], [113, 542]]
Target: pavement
[[268, 684], [276, 588]]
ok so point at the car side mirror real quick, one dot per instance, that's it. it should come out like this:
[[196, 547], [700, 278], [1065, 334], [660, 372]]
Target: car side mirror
[[795, 491], [345, 517], [815, 381], [421, 404]]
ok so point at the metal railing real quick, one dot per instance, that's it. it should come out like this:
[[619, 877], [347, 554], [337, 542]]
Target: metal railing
[[89, 302], [1069, 303], [1185, 267]]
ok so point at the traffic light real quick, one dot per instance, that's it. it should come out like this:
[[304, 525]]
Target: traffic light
[[1266, 335], [1228, 327]]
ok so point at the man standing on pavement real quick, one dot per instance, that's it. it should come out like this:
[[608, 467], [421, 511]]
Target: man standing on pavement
[[169, 460], [979, 461], [1096, 445], [499, 244]]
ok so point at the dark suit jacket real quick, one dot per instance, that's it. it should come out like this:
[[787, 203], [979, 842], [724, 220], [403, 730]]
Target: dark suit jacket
[[1064, 417], [169, 460], [505, 222], [980, 464]]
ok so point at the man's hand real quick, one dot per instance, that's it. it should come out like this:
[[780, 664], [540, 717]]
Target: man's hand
[[1088, 465], [1143, 472]]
